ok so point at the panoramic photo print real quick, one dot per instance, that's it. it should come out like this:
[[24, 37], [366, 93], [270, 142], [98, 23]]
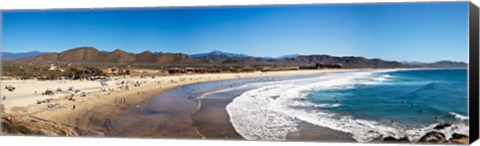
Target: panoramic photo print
[[379, 72]]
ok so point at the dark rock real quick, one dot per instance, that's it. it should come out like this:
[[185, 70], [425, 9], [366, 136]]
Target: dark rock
[[395, 140], [442, 126], [458, 136], [433, 137]]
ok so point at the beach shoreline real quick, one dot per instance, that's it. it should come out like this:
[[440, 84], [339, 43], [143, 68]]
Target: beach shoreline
[[93, 111], [102, 112]]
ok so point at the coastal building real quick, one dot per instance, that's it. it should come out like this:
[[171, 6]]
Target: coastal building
[[321, 66], [195, 70], [55, 68], [214, 70], [52, 67], [116, 71], [248, 69], [6, 78], [175, 70], [188, 70]]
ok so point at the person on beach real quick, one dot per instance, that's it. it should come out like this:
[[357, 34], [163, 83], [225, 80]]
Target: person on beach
[[4, 97], [73, 107]]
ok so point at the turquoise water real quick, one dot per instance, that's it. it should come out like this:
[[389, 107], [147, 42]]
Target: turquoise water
[[369, 104], [412, 98]]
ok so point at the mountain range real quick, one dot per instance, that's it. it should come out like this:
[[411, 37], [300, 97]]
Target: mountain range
[[21, 55], [218, 53], [92, 55]]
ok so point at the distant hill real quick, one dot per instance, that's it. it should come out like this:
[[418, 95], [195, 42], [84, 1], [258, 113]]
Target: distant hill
[[412, 62], [10, 55], [446, 63], [288, 56], [219, 53], [443, 63], [92, 55], [347, 61]]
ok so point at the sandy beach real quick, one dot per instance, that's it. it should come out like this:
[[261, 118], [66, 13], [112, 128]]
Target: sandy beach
[[99, 108]]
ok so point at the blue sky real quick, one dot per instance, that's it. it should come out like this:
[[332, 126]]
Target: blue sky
[[392, 31]]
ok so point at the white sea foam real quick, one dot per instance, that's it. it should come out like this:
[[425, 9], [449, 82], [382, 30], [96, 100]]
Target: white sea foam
[[272, 110], [326, 105], [208, 95], [459, 116]]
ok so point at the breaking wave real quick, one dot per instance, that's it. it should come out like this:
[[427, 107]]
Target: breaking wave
[[269, 111]]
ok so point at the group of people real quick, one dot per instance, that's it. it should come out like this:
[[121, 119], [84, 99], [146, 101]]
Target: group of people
[[123, 100], [9, 88]]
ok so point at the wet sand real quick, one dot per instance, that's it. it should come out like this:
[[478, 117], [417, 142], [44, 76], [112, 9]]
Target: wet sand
[[176, 110], [212, 121], [167, 116], [173, 117], [178, 113]]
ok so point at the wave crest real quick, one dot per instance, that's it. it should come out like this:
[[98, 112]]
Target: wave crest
[[271, 111]]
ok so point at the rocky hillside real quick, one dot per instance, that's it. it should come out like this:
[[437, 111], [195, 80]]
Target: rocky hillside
[[92, 55]]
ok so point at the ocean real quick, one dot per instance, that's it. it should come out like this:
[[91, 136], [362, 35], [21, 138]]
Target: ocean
[[367, 104]]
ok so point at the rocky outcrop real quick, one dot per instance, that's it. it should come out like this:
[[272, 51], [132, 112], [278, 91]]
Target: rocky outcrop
[[395, 140], [11, 125], [434, 137], [437, 137]]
